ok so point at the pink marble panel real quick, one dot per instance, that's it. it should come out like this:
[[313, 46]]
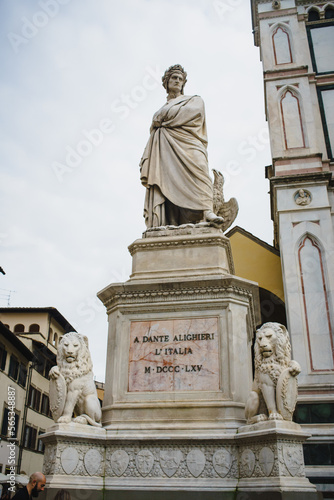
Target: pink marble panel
[[174, 355]]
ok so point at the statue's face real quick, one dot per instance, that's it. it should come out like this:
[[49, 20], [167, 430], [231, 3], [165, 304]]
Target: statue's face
[[267, 341], [71, 349], [175, 82]]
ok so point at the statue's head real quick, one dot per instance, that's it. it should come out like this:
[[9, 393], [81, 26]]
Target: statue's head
[[177, 68], [73, 356], [272, 343]]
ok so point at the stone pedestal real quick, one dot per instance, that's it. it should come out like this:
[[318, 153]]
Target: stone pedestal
[[271, 460], [179, 330], [184, 251], [179, 371]]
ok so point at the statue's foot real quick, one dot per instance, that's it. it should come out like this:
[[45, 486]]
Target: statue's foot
[[80, 420], [213, 218], [275, 416]]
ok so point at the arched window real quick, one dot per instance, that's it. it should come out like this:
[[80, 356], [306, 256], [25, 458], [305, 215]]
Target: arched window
[[316, 306], [292, 120], [329, 12], [282, 45], [55, 340], [34, 328], [19, 328], [313, 15]]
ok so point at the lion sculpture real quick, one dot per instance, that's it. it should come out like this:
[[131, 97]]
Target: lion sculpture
[[72, 387], [274, 391]]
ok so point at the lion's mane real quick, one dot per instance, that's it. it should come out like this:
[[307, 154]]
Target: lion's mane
[[282, 353], [83, 363]]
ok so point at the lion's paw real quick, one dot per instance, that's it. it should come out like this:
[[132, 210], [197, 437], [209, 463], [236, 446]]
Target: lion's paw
[[260, 418], [257, 418], [64, 420], [275, 416], [54, 373], [294, 368], [80, 420]]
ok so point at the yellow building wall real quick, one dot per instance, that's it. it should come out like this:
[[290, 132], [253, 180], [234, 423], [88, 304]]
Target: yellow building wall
[[255, 262]]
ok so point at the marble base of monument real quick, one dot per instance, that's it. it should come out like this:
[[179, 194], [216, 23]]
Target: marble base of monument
[[260, 460], [179, 330], [271, 459], [178, 375]]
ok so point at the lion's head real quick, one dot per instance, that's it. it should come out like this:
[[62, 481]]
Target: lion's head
[[73, 357], [272, 348]]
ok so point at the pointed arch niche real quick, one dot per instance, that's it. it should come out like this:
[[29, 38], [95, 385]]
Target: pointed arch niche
[[281, 40], [292, 121], [316, 307]]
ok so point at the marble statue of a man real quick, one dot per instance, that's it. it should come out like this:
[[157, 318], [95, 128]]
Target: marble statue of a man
[[174, 166]]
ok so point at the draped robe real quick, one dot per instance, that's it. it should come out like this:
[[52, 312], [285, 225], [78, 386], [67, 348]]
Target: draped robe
[[174, 165]]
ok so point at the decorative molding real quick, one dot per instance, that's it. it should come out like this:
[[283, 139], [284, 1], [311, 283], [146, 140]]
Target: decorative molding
[[285, 118], [192, 295], [154, 245], [285, 29], [315, 245]]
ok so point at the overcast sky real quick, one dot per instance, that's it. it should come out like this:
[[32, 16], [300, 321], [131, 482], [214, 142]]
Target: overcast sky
[[80, 82]]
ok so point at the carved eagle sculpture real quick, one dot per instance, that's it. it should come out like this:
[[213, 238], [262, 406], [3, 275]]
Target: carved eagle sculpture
[[226, 209]]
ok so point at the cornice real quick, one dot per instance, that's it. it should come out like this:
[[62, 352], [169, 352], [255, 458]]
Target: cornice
[[184, 296], [300, 178], [141, 245]]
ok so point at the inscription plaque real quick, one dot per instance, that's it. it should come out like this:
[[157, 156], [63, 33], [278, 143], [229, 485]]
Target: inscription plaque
[[174, 355]]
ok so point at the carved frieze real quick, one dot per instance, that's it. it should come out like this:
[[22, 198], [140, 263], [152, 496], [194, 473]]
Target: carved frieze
[[178, 461]]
